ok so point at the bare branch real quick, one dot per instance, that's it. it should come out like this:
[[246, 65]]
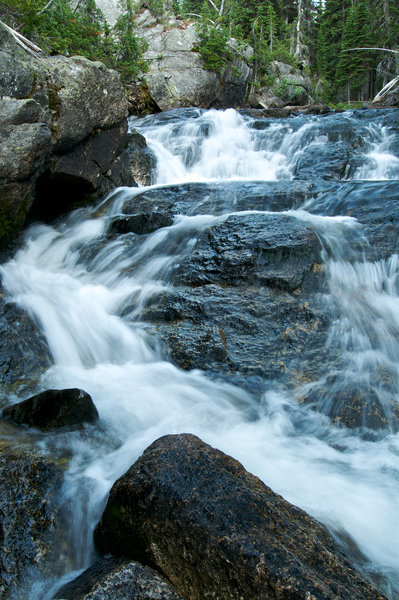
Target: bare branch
[[23, 41], [213, 4], [381, 49], [199, 16]]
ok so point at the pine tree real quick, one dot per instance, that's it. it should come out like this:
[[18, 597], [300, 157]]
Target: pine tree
[[355, 67], [332, 24]]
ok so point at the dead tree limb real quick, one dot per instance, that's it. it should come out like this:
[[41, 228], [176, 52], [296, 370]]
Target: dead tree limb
[[22, 41]]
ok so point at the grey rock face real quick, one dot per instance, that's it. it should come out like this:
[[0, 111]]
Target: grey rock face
[[176, 76], [290, 88], [83, 96], [63, 133]]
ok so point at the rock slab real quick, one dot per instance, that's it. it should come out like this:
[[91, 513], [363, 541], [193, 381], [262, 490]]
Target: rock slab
[[216, 531]]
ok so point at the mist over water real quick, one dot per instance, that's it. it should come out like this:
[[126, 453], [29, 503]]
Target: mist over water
[[79, 298]]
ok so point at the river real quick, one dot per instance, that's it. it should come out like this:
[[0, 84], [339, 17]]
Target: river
[[76, 281]]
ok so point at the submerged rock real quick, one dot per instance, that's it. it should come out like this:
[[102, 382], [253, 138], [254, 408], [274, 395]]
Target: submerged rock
[[217, 531], [54, 408], [29, 486], [113, 579]]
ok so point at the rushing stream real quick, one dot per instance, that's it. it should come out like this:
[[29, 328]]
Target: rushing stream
[[87, 290]]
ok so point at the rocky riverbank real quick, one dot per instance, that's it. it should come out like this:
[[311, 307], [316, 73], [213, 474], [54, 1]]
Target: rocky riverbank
[[63, 137]]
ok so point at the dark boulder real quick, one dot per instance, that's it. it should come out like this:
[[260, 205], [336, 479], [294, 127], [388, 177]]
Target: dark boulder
[[250, 281], [141, 159], [113, 579], [325, 160], [141, 223], [358, 403], [54, 408], [219, 198], [248, 337], [29, 486], [263, 249], [217, 531]]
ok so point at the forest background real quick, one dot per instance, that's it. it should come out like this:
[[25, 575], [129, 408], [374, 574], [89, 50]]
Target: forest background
[[315, 36]]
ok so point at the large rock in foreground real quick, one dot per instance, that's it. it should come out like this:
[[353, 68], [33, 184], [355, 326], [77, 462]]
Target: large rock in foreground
[[216, 531]]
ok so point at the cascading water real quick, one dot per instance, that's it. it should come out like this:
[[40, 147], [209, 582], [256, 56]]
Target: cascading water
[[87, 291]]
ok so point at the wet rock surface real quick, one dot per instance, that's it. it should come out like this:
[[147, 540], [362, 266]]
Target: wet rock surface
[[248, 300], [215, 530], [29, 487], [24, 353], [112, 578], [54, 408]]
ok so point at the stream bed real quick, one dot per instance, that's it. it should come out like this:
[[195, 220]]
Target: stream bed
[[249, 296]]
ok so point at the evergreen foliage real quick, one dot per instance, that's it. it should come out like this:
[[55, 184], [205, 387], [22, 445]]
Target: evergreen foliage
[[313, 34], [59, 28]]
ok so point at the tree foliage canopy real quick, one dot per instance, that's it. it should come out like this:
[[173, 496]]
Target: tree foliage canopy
[[311, 34]]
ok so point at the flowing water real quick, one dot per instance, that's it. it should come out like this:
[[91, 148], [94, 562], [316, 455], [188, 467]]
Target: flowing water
[[76, 282]]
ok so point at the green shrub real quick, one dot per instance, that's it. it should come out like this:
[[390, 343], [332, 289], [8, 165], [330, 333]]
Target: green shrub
[[60, 29]]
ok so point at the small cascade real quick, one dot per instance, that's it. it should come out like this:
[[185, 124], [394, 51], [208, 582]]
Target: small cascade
[[89, 289]]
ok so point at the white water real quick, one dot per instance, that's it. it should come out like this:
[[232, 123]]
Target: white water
[[381, 163], [347, 482]]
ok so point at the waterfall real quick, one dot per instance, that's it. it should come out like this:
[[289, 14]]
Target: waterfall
[[87, 291]]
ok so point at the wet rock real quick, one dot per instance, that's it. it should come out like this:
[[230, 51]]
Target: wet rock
[[215, 530], [249, 282], [330, 160], [220, 198], [141, 223], [29, 486], [355, 404], [373, 203], [141, 159], [24, 354], [274, 250], [112, 578], [54, 408], [247, 336]]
